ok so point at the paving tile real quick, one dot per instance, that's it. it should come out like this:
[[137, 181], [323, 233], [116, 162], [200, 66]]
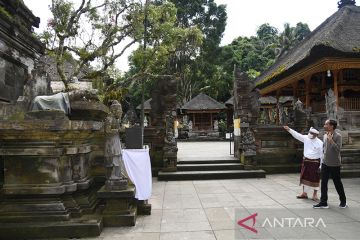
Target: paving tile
[[198, 235], [342, 230], [203, 210], [134, 236], [185, 226]]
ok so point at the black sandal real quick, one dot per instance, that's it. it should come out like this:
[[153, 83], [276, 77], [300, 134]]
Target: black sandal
[[302, 197]]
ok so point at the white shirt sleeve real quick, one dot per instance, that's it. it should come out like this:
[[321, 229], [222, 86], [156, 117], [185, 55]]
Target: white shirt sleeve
[[297, 135]]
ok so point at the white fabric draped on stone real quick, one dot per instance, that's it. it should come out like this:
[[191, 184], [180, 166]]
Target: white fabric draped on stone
[[138, 168]]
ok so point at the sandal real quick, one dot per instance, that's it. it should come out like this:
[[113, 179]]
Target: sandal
[[315, 199], [302, 197]]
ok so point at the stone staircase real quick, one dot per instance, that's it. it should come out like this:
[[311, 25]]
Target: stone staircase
[[350, 162], [209, 170]]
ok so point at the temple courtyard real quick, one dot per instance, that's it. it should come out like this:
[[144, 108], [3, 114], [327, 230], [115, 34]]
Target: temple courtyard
[[211, 209], [203, 210]]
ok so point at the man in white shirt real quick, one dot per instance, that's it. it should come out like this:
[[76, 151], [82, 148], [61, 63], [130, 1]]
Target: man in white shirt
[[312, 157]]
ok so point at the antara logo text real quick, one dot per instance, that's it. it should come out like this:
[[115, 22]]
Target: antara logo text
[[281, 222]]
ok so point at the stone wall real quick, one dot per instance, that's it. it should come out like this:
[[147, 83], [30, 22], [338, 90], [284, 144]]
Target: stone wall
[[20, 81], [277, 151]]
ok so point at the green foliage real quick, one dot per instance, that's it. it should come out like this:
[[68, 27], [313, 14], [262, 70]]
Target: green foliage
[[92, 32], [185, 47], [222, 127], [356, 49], [290, 37], [5, 13], [256, 54], [167, 44]]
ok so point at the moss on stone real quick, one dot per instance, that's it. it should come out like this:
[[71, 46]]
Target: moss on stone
[[356, 49], [277, 72], [18, 116], [5, 13]]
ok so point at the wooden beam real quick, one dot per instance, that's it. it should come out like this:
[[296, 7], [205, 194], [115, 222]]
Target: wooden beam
[[307, 80], [277, 106], [336, 90], [295, 87], [323, 84]]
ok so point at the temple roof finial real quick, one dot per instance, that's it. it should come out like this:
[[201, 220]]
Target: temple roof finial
[[343, 3]]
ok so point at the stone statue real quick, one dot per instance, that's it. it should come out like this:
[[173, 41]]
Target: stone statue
[[281, 113], [216, 125], [145, 121], [300, 115], [248, 142], [190, 126], [185, 120], [112, 151], [299, 106], [254, 105], [330, 101]]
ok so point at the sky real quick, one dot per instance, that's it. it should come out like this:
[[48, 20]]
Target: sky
[[244, 17]]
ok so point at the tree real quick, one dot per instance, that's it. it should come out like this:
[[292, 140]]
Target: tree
[[194, 68], [301, 31], [167, 42], [204, 73], [91, 32], [290, 37], [257, 53]]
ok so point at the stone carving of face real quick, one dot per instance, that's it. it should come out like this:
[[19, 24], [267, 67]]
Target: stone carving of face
[[116, 109]]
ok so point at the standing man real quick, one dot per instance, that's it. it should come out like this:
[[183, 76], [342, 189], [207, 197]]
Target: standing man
[[313, 152], [331, 165]]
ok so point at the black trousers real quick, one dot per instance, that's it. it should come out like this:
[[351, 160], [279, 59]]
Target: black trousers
[[326, 171]]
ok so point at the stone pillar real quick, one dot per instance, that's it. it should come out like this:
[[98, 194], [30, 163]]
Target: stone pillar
[[163, 112], [246, 108]]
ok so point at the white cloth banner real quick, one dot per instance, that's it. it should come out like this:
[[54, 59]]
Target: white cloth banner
[[138, 168]]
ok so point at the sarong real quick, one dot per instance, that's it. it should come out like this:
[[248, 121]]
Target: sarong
[[310, 175]]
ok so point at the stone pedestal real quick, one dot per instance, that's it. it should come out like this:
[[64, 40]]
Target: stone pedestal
[[143, 207], [119, 207], [47, 187], [116, 184]]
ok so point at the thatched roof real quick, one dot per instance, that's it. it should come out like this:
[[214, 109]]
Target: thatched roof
[[147, 105], [230, 101], [265, 100], [203, 102], [338, 36]]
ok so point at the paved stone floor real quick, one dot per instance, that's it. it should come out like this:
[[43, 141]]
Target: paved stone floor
[[205, 151], [209, 210]]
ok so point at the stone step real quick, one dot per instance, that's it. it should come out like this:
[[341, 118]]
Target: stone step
[[350, 173], [350, 160], [351, 166], [210, 175], [281, 168], [86, 226], [216, 161], [208, 167]]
